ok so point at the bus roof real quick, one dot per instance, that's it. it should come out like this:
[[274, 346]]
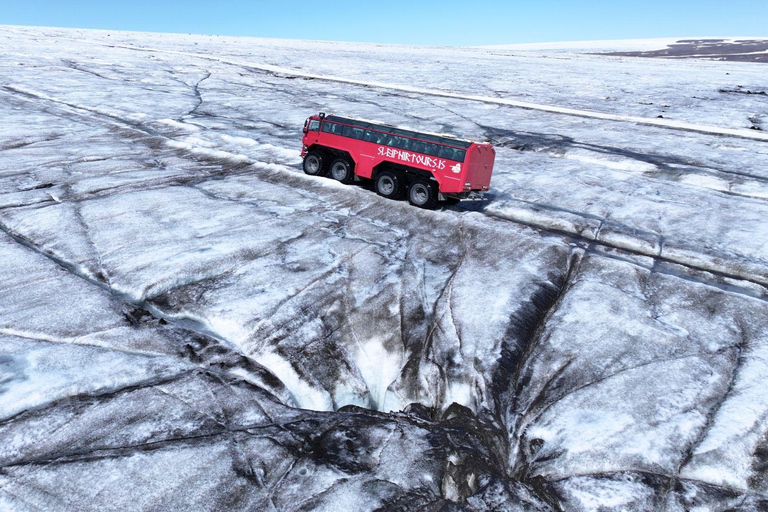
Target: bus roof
[[431, 137]]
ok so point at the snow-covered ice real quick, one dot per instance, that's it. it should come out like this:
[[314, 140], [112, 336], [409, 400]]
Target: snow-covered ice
[[189, 321]]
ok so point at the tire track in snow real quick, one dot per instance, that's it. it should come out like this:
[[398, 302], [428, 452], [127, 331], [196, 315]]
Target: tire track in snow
[[281, 71]]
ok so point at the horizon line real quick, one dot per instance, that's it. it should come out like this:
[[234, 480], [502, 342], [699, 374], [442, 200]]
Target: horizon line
[[495, 45]]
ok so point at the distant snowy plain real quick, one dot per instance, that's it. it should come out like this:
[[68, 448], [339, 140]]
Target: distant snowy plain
[[187, 321]]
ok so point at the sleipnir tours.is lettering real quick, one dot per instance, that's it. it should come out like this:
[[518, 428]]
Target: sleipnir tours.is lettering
[[405, 156]]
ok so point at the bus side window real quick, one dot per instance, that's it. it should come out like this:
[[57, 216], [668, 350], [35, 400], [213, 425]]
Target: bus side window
[[332, 128], [354, 133], [397, 142], [431, 149], [450, 153], [375, 137], [314, 125], [417, 146]]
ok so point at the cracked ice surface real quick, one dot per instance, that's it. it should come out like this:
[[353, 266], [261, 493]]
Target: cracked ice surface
[[188, 321]]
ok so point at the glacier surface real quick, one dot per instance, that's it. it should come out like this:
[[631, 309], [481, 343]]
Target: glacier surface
[[187, 321]]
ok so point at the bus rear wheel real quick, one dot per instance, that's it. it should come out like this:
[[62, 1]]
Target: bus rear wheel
[[422, 194], [341, 170], [313, 163], [388, 185]]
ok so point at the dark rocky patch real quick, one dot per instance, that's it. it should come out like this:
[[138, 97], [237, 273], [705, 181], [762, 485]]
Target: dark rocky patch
[[713, 49]]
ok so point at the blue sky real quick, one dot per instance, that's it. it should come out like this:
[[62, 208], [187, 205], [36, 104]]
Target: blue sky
[[412, 22]]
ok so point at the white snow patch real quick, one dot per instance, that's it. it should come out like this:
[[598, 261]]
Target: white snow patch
[[305, 395], [209, 153], [179, 125], [619, 164], [704, 181], [379, 368]]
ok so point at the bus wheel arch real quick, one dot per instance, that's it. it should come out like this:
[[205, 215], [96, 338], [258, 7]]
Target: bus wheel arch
[[389, 184], [314, 163], [423, 193], [342, 170]]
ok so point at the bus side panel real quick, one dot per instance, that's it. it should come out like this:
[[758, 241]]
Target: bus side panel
[[480, 166], [450, 183], [308, 141], [366, 156], [342, 144], [364, 166]]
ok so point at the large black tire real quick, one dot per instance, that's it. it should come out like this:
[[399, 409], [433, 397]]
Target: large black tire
[[423, 194], [389, 185], [314, 164], [341, 170]]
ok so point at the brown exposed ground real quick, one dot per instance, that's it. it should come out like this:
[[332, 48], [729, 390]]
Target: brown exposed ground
[[744, 50]]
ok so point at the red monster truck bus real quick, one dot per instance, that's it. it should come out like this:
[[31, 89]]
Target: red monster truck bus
[[427, 167]]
